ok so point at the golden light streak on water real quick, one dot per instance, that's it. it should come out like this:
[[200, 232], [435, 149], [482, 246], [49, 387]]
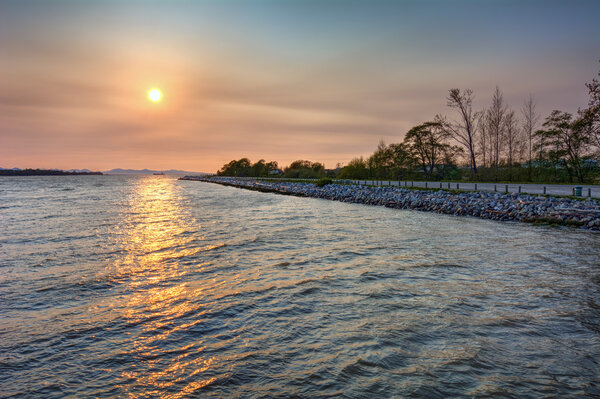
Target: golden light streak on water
[[155, 229], [122, 286]]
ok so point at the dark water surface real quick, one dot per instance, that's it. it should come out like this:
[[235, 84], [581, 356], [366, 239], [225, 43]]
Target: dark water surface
[[147, 287]]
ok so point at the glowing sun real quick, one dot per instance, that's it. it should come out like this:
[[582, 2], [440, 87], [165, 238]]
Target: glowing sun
[[154, 95]]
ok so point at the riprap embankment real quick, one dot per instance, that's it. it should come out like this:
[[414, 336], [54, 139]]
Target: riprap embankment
[[487, 205]]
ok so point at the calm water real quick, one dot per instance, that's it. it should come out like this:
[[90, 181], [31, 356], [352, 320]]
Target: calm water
[[149, 287]]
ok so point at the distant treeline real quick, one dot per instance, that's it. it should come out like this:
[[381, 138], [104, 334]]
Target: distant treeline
[[42, 172], [297, 169], [492, 144]]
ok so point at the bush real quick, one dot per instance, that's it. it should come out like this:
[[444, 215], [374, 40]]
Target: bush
[[323, 182]]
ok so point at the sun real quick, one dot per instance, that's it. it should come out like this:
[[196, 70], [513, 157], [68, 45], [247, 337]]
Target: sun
[[154, 95]]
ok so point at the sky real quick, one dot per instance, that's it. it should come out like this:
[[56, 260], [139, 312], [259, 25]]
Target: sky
[[323, 80]]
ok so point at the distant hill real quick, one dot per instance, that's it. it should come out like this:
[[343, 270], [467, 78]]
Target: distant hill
[[44, 172], [119, 171]]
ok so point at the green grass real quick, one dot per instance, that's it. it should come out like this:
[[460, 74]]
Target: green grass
[[544, 221]]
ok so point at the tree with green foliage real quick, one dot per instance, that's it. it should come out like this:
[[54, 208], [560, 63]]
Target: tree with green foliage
[[305, 170], [389, 162], [589, 118], [565, 142], [426, 143], [401, 161], [244, 168], [356, 169], [259, 169], [379, 162], [262, 168], [236, 168]]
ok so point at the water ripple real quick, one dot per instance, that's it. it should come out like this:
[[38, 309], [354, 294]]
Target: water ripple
[[142, 287]]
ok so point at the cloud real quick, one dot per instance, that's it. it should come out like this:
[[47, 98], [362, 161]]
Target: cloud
[[273, 80]]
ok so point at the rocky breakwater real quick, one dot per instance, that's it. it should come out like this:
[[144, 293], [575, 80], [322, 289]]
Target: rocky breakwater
[[487, 205]]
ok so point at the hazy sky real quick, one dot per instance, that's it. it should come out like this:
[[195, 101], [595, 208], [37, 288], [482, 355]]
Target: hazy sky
[[322, 80]]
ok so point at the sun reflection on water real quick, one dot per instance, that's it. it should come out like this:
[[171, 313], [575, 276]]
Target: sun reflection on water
[[161, 288], [156, 236]]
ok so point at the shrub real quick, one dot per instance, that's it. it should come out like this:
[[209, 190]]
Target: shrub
[[323, 182]]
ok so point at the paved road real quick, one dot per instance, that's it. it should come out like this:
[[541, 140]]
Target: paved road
[[553, 189]]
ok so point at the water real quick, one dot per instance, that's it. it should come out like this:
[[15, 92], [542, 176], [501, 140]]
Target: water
[[148, 287]]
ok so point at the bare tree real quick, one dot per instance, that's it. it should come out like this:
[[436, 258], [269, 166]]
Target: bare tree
[[495, 123], [463, 129], [483, 138], [513, 140], [530, 122]]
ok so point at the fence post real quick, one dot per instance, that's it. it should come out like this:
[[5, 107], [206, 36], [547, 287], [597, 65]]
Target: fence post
[[448, 185], [475, 186], [440, 185], [495, 188], [573, 191], [506, 188], [426, 185], [457, 186], [412, 183], [519, 189], [544, 190]]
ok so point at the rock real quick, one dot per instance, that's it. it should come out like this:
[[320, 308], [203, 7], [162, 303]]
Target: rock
[[485, 205]]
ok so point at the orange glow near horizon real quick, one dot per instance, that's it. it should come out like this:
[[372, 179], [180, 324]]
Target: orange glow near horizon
[[192, 85]]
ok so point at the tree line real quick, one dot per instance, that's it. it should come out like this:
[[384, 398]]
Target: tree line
[[496, 143], [298, 169]]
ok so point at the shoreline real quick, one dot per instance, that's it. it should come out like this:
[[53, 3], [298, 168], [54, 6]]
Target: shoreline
[[548, 210]]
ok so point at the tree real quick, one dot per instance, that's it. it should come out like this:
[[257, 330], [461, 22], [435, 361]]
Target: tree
[[305, 170], [389, 162], [567, 142], [589, 118], [380, 161], [259, 169], [484, 139], [244, 167], [272, 166], [463, 129], [356, 169], [236, 168], [400, 160], [530, 121], [513, 140], [495, 116], [426, 143]]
